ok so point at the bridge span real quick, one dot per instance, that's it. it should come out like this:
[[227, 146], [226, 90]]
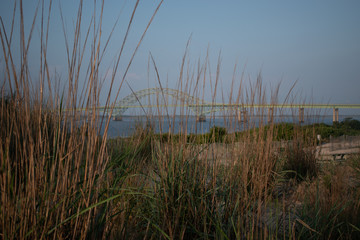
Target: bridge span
[[202, 108]]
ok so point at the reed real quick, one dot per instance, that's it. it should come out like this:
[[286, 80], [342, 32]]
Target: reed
[[54, 181], [61, 179]]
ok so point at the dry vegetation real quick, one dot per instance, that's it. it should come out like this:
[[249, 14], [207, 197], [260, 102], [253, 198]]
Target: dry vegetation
[[61, 180]]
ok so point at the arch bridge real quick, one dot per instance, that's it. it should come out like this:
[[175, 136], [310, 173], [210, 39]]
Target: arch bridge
[[201, 108], [196, 105]]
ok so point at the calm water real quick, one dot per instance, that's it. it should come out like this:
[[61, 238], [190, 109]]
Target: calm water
[[128, 125]]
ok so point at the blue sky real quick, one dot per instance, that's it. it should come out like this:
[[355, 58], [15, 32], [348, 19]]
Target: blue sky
[[316, 43]]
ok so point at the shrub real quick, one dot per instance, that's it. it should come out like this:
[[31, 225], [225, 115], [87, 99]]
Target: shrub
[[354, 124], [300, 161], [331, 205], [285, 131], [217, 134]]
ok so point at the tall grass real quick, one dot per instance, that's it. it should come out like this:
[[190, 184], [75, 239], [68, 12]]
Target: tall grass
[[61, 179], [54, 181]]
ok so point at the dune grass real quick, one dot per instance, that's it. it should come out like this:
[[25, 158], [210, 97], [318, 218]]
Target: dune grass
[[60, 179]]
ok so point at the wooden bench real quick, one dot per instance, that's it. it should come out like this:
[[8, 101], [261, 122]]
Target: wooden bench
[[344, 152], [342, 155]]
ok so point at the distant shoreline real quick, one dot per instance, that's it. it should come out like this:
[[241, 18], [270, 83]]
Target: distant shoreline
[[234, 116]]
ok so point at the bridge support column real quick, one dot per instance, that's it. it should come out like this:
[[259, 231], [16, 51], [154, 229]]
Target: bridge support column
[[270, 115], [201, 118], [242, 116], [301, 115], [335, 115], [245, 117], [239, 115]]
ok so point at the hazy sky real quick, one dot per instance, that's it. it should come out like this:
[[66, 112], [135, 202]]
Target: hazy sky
[[316, 43]]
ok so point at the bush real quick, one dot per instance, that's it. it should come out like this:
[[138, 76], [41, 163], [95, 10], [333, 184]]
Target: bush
[[217, 134], [331, 204], [300, 161], [285, 131], [354, 124]]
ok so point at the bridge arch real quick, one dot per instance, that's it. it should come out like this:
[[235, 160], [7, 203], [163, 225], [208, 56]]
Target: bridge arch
[[197, 105]]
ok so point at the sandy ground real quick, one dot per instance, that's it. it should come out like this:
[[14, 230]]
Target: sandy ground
[[336, 149]]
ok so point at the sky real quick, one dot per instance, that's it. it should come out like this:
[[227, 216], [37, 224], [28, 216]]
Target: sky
[[313, 43]]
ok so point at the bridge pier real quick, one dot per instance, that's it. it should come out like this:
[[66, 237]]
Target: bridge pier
[[201, 118], [301, 115], [335, 115], [242, 116], [270, 115]]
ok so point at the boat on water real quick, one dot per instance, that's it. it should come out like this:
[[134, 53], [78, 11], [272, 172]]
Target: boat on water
[[201, 118]]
